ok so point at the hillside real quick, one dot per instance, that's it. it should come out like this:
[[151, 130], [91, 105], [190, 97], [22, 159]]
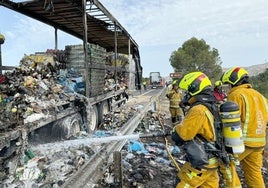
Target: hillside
[[254, 69]]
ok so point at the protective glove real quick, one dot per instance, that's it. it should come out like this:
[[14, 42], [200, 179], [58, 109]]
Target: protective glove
[[184, 102], [167, 96], [176, 138]]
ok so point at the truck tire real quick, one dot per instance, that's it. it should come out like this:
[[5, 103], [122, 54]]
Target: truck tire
[[93, 119], [67, 127], [103, 108]]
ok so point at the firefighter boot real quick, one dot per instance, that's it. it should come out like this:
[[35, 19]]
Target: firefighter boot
[[173, 119]]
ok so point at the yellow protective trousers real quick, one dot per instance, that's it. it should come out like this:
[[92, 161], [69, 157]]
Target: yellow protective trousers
[[229, 175], [175, 112], [251, 161], [193, 178], [176, 115]]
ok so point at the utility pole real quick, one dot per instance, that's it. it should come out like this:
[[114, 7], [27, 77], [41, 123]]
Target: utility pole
[[2, 40]]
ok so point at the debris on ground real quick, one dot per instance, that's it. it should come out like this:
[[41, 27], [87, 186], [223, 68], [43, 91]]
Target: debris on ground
[[146, 162]]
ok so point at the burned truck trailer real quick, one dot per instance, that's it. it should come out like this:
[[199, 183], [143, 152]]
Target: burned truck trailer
[[69, 90]]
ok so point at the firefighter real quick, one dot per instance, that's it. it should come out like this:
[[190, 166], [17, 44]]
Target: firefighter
[[144, 83], [230, 177], [218, 92], [254, 118], [175, 96], [197, 122]]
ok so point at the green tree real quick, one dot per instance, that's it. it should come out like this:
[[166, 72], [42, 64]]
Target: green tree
[[259, 82], [196, 55]]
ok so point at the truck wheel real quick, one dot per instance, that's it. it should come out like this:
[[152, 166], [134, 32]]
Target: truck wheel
[[93, 119], [74, 127], [103, 108], [68, 127]]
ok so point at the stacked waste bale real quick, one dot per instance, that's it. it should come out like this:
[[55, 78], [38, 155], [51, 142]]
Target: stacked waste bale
[[122, 67], [104, 77], [96, 55]]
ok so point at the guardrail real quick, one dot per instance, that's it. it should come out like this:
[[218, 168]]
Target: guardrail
[[92, 171]]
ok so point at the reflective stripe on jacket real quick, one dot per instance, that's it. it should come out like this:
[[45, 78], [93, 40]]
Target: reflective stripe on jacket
[[253, 112], [198, 121]]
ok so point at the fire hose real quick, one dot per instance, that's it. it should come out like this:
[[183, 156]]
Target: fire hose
[[166, 140], [155, 134]]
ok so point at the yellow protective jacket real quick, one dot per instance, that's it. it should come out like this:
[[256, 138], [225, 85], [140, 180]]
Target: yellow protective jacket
[[253, 113], [174, 98], [198, 121]]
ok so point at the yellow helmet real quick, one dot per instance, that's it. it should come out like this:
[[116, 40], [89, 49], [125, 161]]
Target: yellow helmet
[[218, 83], [234, 75], [194, 82]]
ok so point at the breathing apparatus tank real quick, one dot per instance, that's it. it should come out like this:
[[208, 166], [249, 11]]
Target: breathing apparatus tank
[[231, 128]]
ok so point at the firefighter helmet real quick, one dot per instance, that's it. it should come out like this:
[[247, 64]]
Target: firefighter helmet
[[218, 83], [234, 75], [194, 82], [175, 82]]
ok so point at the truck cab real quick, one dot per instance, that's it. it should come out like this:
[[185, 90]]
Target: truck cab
[[155, 80]]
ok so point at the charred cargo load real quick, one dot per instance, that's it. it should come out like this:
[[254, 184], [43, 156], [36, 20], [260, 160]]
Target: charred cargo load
[[104, 74], [58, 93], [45, 95]]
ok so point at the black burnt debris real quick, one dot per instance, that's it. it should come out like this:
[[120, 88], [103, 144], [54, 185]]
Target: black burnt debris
[[145, 162], [44, 84]]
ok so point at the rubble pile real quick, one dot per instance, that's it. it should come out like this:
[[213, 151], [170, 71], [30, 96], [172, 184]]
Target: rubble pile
[[117, 118], [43, 86], [148, 165], [52, 166], [49, 168], [110, 83], [146, 162], [41, 83], [29, 91]]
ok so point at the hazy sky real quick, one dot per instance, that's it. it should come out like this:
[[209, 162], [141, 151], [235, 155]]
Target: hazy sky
[[238, 29]]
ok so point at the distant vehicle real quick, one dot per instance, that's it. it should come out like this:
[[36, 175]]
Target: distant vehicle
[[156, 81]]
